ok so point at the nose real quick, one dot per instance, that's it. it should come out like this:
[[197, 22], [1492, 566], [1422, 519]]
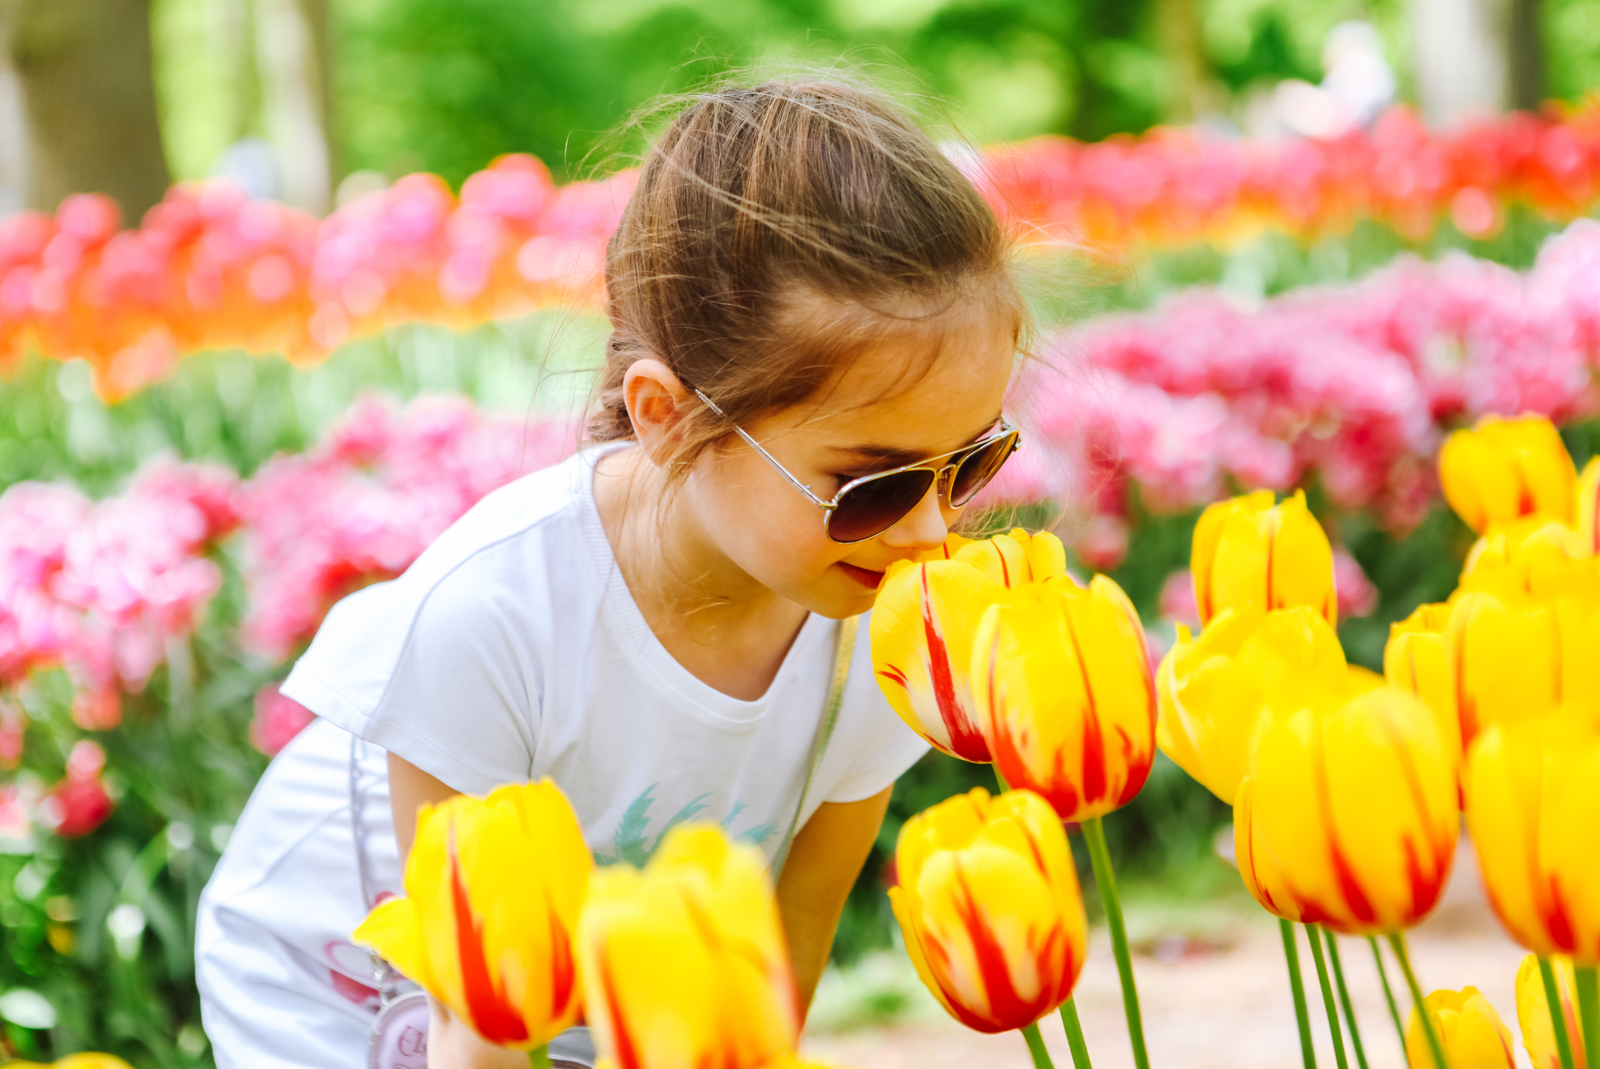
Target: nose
[[924, 527]]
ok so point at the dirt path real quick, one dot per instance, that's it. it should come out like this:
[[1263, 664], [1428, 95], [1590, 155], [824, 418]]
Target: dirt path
[[1219, 1002]]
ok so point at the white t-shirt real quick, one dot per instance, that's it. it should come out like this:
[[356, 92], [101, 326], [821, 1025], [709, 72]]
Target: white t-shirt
[[512, 650]]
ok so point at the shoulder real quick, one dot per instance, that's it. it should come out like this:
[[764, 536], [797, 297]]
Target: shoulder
[[480, 596]]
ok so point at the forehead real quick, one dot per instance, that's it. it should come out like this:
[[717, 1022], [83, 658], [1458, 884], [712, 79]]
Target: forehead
[[925, 383]]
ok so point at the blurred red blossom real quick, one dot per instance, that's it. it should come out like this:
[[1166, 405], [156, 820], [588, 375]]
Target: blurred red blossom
[[79, 803]]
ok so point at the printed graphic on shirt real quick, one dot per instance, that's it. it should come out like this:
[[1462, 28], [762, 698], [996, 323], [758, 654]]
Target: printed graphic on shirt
[[632, 842]]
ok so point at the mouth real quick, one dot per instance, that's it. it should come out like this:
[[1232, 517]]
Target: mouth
[[865, 576]]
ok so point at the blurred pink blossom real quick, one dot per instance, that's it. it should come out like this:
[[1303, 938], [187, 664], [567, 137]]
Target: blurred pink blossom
[[278, 720], [79, 803], [1178, 602], [361, 506], [1357, 595]]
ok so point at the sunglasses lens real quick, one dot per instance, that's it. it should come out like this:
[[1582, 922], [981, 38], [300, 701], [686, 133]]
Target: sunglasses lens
[[874, 507], [976, 471]]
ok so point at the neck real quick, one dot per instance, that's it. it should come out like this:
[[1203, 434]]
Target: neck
[[685, 587]]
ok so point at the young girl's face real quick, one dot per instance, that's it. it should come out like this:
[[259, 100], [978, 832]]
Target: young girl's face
[[889, 408]]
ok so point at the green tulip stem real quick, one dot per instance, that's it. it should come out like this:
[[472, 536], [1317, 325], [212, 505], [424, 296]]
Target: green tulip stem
[[1069, 1021], [1329, 1006], [539, 1057], [1041, 1057], [1558, 1016], [1397, 942], [1388, 992], [1589, 1012], [1302, 1015], [1094, 834], [1344, 998]]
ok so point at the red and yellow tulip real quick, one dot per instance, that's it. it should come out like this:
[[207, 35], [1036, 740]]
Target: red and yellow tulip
[[924, 621], [1532, 809], [1248, 551], [1471, 1032], [1214, 691], [1348, 817], [1420, 659], [1505, 469], [1064, 695], [989, 905], [1533, 1012], [493, 891], [684, 963]]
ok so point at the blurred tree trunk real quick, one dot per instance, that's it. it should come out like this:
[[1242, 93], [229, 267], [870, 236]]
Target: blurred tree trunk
[[296, 58], [1178, 26], [13, 137], [1460, 58], [89, 96], [1525, 42]]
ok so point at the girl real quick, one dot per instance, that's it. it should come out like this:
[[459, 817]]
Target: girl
[[814, 323]]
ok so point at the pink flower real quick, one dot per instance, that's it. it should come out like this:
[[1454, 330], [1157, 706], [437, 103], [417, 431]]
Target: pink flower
[[278, 720], [79, 803], [1178, 602], [1357, 595]]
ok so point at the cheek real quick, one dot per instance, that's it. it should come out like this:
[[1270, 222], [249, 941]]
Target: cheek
[[765, 525]]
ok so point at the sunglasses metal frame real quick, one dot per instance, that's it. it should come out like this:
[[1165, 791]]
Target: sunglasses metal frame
[[943, 473]]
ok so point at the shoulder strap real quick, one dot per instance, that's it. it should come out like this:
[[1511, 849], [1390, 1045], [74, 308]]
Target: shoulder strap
[[830, 720]]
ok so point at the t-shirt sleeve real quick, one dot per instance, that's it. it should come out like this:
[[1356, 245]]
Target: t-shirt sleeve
[[884, 746], [431, 668]]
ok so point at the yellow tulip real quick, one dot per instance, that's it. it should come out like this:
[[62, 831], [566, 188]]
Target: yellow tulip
[[989, 904], [684, 963], [1064, 696], [86, 1060], [1471, 1032], [493, 891], [1348, 817], [1213, 691], [1505, 469], [1532, 809], [924, 621], [1249, 552], [1533, 1012], [1419, 659], [1588, 523], [1531, 561]]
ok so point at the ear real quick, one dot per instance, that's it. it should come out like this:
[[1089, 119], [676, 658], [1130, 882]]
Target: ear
[[657, 403]]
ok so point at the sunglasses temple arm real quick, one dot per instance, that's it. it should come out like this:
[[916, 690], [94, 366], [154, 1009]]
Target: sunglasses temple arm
[[781, 470]]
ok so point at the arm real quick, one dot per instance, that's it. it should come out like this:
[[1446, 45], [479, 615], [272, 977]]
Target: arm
[[451, 1044], [823, 865]]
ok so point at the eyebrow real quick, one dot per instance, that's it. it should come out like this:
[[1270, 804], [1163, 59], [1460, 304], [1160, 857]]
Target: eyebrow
[[894, 455]]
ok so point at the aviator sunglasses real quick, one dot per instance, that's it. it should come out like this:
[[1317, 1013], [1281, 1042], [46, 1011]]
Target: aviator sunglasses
[[866, 507]]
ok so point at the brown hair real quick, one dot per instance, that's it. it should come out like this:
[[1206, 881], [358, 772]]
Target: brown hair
[[756, 201]]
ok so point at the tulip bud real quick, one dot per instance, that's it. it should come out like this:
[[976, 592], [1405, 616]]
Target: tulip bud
[[1532, 809], [1250, 552], [924, 621], [1505, 469], [1533, 1012], [684, 963], [1470, 1031], [1213, 691], [1348, 816], [990, 908], [493, 890], [1064, 695]]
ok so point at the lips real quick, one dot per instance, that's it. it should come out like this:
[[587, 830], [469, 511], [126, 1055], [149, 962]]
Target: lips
[[865, 576]]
